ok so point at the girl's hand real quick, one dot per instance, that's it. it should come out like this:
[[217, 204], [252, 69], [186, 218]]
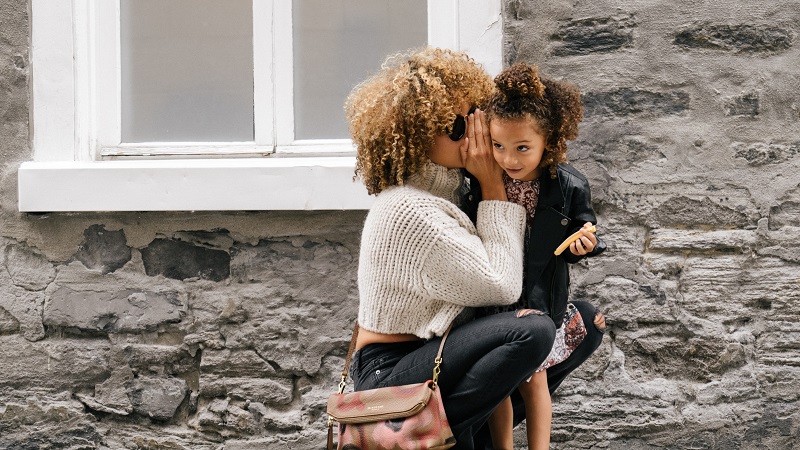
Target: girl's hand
[[478, 157], [585, 244], [528, 312]]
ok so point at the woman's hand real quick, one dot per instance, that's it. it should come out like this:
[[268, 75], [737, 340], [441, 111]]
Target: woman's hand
[[585, 244], [478, 157]]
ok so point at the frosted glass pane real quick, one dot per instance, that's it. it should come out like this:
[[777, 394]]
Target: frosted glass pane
[[187, 70], [338, 43]]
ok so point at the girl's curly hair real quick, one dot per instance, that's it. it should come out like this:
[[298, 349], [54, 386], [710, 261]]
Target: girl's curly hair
[[554, 106], [394, 115]]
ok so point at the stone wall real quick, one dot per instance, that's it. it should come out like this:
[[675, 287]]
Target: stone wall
[[692, 144], [226, 330]]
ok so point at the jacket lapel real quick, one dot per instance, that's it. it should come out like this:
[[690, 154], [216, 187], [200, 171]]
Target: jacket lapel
[[549, 225]]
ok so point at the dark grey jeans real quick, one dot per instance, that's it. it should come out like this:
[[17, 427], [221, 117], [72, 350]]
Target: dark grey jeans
[[483, 362]]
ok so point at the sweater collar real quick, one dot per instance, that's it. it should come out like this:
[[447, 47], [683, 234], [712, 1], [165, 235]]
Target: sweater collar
[[440, 181]]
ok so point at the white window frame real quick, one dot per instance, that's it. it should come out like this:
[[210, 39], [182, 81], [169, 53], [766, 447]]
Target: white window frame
[[105, 59], [77, 167]]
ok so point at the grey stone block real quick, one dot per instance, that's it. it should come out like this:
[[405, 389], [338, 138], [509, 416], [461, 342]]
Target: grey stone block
[[594, 35], [683, 211], [54, 364], [27, 268], [8, 324], [126, 310], [228, 418], [784, 214], [103, 250], [740, 38], [46, 421], [702, 241], [228, 362], [24, 306], [157, 398], [159, 359], [111, 396], [269, 391], [181, 260], [763, 153], [747, 105], [626, 101], [611, 145]]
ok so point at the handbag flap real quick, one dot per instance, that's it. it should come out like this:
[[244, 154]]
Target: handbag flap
[[380, 404]]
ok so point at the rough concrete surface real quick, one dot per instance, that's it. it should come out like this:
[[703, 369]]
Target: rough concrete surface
[[227, 330]]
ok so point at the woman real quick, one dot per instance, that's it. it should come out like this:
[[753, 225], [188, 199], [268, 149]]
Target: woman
[[423, 263]]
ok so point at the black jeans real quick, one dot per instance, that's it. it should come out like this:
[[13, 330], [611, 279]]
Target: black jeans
[[483, 362], [557, 373]]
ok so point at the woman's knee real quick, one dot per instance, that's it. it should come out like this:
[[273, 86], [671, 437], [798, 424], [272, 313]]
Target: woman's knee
[[537, 329]]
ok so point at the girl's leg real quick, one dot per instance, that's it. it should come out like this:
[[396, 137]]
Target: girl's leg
[[501, 425], [483, 362], [557, 373], [538, 411]]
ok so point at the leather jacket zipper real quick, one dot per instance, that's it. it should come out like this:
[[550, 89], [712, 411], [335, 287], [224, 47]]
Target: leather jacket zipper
[[552, 293]]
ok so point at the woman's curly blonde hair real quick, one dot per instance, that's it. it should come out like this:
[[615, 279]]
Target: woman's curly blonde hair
[[554, 106], [395, 114]]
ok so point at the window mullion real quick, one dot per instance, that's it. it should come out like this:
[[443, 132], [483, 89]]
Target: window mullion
[[480, 32], [443, 23], [104, 98], [263, 67], [283, 73]]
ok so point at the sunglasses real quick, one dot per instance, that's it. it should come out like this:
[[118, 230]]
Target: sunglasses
[[460, 126]]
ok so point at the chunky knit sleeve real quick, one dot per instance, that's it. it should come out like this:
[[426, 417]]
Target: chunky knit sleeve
[[470, 268]]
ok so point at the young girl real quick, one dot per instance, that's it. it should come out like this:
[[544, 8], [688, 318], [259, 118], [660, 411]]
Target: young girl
[[530, 120]]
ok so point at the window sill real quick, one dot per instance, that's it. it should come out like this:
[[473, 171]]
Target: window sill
[[291, 183]]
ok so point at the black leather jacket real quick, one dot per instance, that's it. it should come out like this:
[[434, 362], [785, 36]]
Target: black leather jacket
[[564, 206]]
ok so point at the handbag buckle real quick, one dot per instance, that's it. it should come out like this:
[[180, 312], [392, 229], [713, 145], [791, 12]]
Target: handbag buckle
[[436, 370]]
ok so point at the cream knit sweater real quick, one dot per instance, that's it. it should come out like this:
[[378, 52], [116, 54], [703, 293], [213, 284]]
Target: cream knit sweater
[[422, 260]]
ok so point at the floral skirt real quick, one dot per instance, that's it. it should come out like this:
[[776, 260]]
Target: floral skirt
[[568, 337]]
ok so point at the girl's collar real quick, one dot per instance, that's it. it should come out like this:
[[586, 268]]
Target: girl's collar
[[508, 180]]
